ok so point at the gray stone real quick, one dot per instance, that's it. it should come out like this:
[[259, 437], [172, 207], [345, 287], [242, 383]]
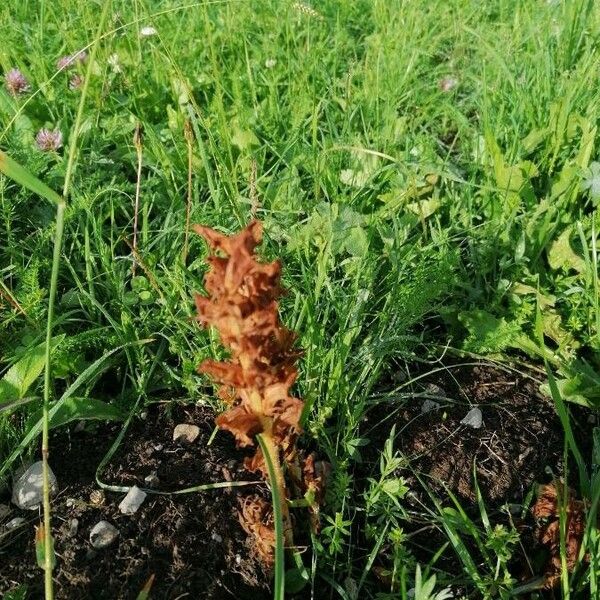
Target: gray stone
[[185, 433], [474, 418], [14, 523], [429, 405], [73, 527], [28, 488], [103, 534], [132, 501]]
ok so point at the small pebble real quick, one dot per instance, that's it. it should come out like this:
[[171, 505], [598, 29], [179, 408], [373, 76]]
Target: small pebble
[[28, 489], [103, 534], [429, 405], [132, 501], [14, 523], [152, 480], [158, 447], [185, 433], [73, 528], [144, 415], [216, 537], [474, 418], [98, 497]]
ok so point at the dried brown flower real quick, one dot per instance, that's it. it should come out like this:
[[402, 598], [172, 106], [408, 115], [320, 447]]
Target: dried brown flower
[[256, 518], [547, 508], [256, 380]]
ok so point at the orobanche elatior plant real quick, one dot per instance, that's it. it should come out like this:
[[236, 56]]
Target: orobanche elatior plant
[[256, 380]]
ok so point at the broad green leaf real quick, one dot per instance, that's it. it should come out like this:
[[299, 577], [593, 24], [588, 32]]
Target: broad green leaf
[[79, 409], [19, 378], [243, 138], [424, 208], [561, 255], [534, 139], [84, 378], [357, 242], [19, 593]]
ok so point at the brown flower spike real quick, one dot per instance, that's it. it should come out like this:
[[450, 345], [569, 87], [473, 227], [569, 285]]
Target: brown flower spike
[[256, 380]]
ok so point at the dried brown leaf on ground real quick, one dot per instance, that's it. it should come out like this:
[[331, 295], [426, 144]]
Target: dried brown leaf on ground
[[547, 510], [256, 518]]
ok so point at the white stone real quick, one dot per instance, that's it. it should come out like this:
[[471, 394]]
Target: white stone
[[103, 534], [132, 501], [474, 418], [216, 537], [28, 489], [185, 433]]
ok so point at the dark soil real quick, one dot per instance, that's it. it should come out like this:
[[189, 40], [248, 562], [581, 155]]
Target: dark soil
[[521, 435], [192, 543], [519, 445]]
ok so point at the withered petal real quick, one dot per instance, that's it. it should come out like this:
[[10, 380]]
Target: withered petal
[[242, 423]]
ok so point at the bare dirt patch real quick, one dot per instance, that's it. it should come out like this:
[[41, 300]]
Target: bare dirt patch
[[192, 543]]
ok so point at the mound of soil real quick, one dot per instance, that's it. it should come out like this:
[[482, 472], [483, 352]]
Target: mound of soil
[[191, 543], [519, 442]]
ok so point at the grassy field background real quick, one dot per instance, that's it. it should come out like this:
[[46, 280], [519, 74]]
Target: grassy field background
[[425, 170]]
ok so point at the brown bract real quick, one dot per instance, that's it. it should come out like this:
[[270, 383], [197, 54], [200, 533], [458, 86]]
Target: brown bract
[[547, 509]]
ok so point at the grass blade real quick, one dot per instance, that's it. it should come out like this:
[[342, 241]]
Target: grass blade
[[279, 587], [11, 168]]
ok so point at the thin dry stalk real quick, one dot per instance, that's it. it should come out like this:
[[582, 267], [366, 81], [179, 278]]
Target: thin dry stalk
[[137, 142]]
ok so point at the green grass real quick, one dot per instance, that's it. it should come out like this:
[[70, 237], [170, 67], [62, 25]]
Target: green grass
[[408, 218]]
